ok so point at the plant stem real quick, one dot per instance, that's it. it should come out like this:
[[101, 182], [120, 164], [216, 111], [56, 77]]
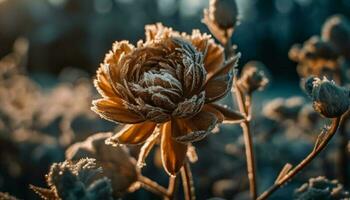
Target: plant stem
[[328, 135], [343, 153], [153, 186], [187, 182], [245, 107], [172, 187]]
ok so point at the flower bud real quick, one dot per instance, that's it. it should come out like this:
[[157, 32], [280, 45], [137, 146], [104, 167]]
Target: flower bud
[[223, 13], [329, 99], [253, 77], [221, 18]]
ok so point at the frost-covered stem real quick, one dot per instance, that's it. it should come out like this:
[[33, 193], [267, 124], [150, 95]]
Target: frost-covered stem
[[228, 46], [172, 187], [153, 187], [187, 182], [328, 135], [343, 152], [244, 105]]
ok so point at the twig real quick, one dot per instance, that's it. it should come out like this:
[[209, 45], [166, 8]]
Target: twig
[[342, 152], [318, 148], [153, 186], [245, 107], [172, 187], [187, 182]]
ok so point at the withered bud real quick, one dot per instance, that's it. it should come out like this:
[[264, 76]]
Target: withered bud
[[336, 30], [221, 18], [253, 77], [328, 99], [224, 13]]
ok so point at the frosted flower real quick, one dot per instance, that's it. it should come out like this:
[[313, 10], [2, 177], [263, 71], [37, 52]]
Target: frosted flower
[[171, 80], [76, 180], [116, 162], [321, 188]]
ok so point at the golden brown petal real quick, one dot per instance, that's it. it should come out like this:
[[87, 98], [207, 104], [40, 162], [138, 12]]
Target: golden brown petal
[[113, 109], [197, 127], [103, 84], [220, 82], [133, 133], [230, 116], [214, 57], [173, 153]]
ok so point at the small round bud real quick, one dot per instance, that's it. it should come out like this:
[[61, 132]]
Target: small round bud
[[223, 13], [329, 99], [336, 30], [253, 77], [221, 19]]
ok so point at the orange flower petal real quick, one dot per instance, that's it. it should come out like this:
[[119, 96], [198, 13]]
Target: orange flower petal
[[113, 109], [214, 57], [230, 116], [102, 83], [133, 133], [173, 153], [197, 127], [220, 82]]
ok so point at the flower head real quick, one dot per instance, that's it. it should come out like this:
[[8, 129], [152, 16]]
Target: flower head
[[168, 81], [328, 99]]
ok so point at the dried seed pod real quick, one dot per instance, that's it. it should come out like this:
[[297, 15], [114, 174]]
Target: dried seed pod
[[336, 30], [329, 99], [224, 13], [221, 18], [253, 77]]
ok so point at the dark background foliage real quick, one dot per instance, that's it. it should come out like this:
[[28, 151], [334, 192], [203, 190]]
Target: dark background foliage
[[79, 32]]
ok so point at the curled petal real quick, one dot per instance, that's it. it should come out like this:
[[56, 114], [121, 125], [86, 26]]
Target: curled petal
[[220, 82], [173, 153], [214, 57], [197, 127], [103, 84], [218, 87], [114, 110], [133, 133], [230, 116]]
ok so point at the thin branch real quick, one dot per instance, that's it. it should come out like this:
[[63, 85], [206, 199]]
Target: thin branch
[[244, 105], [328, 135], [153, 186], [187, 182], [172, 187]]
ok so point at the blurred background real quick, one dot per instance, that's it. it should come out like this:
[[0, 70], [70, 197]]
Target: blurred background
[[45, 107], [77, 33]]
